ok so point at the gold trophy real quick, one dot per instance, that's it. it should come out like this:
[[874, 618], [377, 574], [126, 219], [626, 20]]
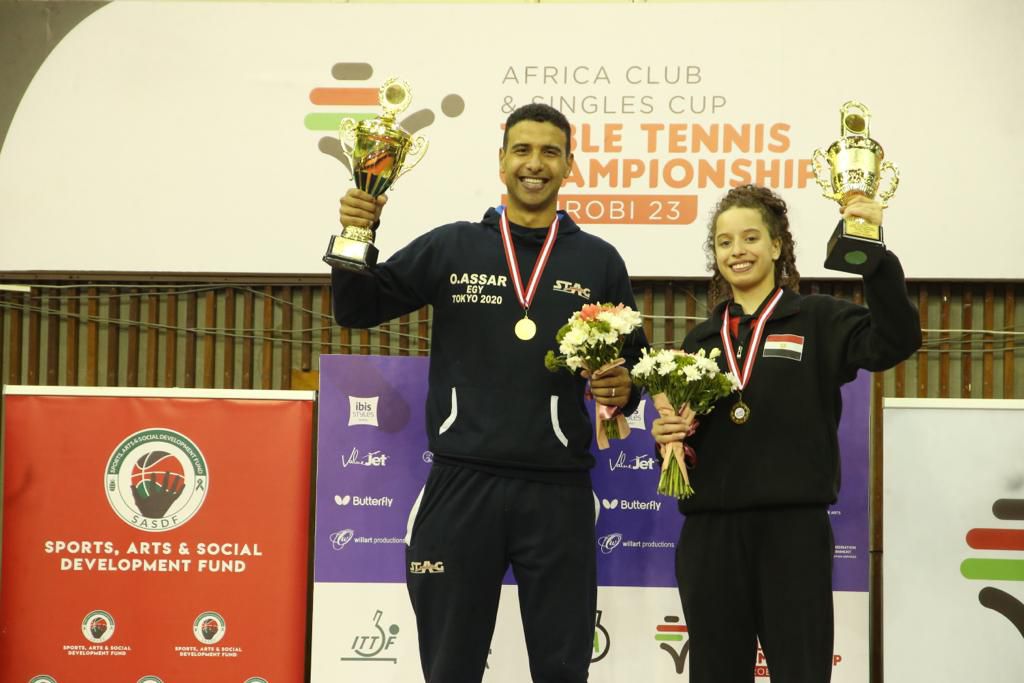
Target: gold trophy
[[856, 166], [380, 152]]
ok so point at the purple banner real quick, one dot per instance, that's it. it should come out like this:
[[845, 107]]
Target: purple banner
[[372, 461]]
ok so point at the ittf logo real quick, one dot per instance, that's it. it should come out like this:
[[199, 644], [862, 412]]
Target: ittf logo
[[370, 647]]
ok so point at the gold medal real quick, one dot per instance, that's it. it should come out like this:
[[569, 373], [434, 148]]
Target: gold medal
[[740, 412], [525, 329]]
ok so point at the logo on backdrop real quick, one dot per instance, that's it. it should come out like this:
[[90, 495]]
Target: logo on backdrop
[[362, 411], [643, 462], [340, 539], [150, 679], [42, 678], [364, 501], [671, 637], [602, 641], [1001, 569], [636, 420], [359, 99], [156, 479], [209, 628], [609, 543], [628, 504], [370, 459], [256, 679], [98, 626], [374, 646]]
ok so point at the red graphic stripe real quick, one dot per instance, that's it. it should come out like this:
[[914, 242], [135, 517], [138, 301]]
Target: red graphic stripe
[[343, 96], [996, 539], [664, 628], [790, 338]]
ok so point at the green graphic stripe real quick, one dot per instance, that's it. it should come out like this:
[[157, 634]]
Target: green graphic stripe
[[993, 570], [331, 122], [668, 636]]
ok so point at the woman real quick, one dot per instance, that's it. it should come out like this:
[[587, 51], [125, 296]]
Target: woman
[[754, 558]]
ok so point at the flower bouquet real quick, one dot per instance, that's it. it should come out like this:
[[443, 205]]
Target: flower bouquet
[[675, 379], [592, 341]]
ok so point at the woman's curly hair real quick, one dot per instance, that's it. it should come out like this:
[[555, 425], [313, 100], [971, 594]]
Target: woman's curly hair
[[774, 213]]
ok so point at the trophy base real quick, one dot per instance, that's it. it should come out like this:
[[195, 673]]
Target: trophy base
[[350, 254], [855, 247]]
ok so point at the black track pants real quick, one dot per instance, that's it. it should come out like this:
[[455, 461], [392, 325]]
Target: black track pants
[[469, 527], [752, 574]]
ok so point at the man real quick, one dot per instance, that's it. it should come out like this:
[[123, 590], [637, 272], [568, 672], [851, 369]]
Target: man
[[510, 483]]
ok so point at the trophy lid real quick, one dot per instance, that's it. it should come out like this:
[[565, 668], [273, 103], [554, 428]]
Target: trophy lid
[[855, 119], [395, 97]]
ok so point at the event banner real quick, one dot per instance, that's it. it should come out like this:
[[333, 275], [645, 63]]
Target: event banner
[[372, 461], [953, 534], [672, 103], [155, 536]]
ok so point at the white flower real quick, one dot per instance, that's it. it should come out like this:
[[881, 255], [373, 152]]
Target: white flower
[[666, 363], [644, 366], [715, 353], [707, 366], [734, 381], [692, 373], [574, 363], [576, 336]]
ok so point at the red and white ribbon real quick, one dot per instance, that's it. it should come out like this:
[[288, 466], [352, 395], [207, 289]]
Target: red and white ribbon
[[755, 340], [526, 296]]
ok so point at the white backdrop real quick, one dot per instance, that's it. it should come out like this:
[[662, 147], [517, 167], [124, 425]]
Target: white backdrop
[[629, 618], [947, 462], [173, 136]]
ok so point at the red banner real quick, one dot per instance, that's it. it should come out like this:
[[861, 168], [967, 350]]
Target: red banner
[[156, 538]]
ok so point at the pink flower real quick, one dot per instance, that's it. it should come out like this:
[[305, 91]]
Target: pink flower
[[589, 312]]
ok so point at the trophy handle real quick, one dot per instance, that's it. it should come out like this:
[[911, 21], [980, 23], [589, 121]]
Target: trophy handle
[[894, 182], [347, 135], [414, 155], [820, 163]]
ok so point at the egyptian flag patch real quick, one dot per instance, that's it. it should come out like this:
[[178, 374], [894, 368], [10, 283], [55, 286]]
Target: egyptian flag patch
[[789, 346]]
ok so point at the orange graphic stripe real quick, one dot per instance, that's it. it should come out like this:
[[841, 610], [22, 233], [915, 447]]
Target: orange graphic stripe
[[342, 96], [996, 539]]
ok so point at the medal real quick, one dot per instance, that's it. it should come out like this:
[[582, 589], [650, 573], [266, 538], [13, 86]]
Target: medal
[[525, 328], [740, 411]]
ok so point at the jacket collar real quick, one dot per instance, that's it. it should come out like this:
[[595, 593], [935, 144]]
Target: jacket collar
[[566, 226], [789, 305]]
